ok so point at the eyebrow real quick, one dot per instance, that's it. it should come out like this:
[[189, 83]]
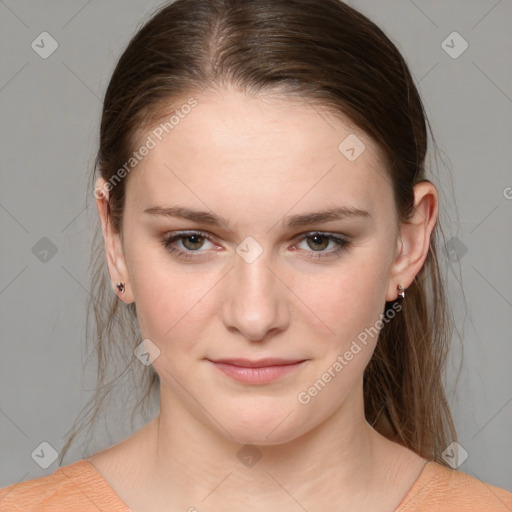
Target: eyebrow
[[292, 221]]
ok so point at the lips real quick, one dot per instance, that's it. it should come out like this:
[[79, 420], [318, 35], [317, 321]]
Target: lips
[[256, 372], [248, 363]]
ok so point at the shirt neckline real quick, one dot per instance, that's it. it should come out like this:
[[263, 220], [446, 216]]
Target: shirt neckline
[[419, 481]]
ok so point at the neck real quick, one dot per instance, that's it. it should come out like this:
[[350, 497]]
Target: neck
[[206, 467]]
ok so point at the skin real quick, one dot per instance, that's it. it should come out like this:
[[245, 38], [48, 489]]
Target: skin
[[256, 160]]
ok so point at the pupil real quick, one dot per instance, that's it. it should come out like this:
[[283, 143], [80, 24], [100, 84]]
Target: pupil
[[194, 239], [317, 239]]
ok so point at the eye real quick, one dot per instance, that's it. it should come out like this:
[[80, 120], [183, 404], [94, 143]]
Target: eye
[[192, 241], [319, 241]]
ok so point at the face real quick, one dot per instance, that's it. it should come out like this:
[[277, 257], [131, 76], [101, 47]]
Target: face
[[258, 283]]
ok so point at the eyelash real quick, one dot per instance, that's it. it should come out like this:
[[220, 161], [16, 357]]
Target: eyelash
[[343, 244]]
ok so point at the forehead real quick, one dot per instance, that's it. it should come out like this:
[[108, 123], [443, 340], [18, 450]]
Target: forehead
[[264, 150]]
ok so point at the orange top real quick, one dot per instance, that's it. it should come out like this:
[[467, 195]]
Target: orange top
[[79, 487]]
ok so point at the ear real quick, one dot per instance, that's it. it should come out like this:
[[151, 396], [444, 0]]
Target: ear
[[116, 262], [414, 240]]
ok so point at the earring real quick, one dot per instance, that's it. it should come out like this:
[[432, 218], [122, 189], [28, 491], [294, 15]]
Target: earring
[[120, 287], [401, 291]]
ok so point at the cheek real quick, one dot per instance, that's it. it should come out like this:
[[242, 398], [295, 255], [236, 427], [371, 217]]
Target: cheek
[[170, 307], [351, 306], [168, 298], [344, 300]]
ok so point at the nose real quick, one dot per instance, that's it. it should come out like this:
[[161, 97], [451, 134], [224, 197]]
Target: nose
[[257, 300]]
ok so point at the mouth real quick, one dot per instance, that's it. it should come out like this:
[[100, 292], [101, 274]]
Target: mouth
[[257, 372]]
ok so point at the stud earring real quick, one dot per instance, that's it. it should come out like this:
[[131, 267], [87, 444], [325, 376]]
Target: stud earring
[[120, 287], [401, 291]]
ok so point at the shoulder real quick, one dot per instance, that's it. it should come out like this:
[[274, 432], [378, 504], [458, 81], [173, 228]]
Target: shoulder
[[76, 487], [441, 489]]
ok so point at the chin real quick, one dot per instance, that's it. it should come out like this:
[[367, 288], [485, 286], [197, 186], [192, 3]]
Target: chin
[[271, 426]]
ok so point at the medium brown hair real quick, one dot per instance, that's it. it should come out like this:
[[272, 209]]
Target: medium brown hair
[[331, 55]]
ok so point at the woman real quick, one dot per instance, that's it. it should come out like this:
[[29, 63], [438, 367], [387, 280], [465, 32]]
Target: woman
[[268, 222]]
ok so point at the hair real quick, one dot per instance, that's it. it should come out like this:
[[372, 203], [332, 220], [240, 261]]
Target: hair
[[328, 53]]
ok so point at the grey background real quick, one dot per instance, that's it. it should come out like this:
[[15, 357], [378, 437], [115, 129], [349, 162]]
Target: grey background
[[49, 118]]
